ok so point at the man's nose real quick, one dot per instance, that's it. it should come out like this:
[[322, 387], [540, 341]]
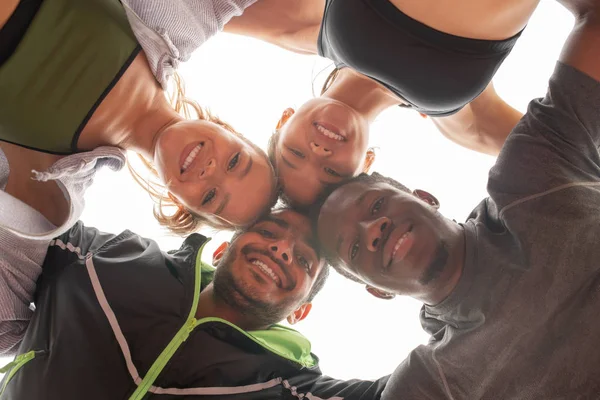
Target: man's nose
[[283, 250], [208, 169], [320, 150], [373, 231]]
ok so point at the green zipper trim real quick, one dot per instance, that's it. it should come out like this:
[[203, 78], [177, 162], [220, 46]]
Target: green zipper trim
[[306, 362], [15, 366], [179, 338]]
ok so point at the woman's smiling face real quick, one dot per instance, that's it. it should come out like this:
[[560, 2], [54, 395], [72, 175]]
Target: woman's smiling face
[[214, 173], [324, 142]]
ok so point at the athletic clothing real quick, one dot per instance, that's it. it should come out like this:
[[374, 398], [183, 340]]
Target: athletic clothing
[[71, 55], [434, 72], [115, 319], [171, 30], [14, 29], [25, 235], [521, 323]]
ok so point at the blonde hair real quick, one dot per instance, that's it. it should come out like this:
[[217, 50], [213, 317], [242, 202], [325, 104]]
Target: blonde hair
[[182, 221]]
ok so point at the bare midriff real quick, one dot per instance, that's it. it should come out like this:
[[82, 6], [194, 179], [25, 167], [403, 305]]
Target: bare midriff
[[476, 19]]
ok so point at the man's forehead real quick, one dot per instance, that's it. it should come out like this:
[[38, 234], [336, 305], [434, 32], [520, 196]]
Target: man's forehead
[[291, 220], [341, 206]]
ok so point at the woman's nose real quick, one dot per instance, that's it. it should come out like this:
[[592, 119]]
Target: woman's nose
[[208, 169], [320, 150]]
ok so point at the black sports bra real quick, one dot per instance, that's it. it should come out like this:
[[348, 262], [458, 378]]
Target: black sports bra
[[434, 72]]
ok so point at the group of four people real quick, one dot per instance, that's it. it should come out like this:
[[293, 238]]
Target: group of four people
[[508, 295]]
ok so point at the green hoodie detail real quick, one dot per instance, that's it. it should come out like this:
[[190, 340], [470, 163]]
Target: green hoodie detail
[[280, 340]]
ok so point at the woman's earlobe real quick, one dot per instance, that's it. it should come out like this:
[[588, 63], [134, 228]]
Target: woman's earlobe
[[369, 160], [427, 198], [287, 114]]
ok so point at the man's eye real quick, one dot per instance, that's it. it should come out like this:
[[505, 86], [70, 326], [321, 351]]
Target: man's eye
[[303, 262], [297, 153], [234, 161], [266, 233], [377, 206], [354, 250], [332, 172], [209, 197]]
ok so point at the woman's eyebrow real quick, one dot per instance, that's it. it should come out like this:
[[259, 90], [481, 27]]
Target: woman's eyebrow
[[277, 221], [289, 164], [246, 170], [223, 204]]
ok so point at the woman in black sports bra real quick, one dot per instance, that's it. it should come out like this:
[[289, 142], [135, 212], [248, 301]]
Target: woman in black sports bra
[[433, 56]]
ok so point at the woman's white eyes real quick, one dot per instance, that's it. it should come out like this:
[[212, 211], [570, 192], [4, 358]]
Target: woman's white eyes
[[233, 162], [209, 197]]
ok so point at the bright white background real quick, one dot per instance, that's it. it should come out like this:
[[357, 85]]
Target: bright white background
[[249, 83]]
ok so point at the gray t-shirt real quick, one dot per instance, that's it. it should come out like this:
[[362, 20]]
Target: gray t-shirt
[[521, 323]]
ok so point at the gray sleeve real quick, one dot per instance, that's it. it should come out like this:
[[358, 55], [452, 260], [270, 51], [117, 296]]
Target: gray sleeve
[[555, 144], [20, 267], [169, 31]]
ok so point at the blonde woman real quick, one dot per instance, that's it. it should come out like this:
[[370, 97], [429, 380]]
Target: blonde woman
[[74, 79], [76, 91]]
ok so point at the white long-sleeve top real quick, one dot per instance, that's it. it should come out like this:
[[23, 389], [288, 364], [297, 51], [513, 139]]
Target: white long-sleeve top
[[25, 235], [170, 30]]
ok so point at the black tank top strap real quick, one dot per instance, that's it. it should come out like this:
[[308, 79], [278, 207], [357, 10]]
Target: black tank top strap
[[14, 29]]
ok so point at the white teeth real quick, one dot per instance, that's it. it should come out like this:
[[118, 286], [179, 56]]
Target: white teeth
[[329, 133], [266, 269], [190, 158], [399, 243]]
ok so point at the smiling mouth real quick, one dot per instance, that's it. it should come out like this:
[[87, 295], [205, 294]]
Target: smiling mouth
[[401, 241], [266, 270], [191, 157], [400, 248], [330, 132]]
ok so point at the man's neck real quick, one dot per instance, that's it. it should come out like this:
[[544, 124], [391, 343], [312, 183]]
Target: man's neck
[[450, 276], [209, 305], [361, 93]]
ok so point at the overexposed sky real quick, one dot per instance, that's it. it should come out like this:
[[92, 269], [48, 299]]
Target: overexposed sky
[[249, 83]]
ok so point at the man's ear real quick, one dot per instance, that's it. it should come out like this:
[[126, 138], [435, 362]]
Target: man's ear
[[219, 252], [287, 114], [427, 198], [380, 294], [300, 313]]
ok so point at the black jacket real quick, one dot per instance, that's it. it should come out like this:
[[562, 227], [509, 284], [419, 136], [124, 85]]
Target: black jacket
[[115, 320]]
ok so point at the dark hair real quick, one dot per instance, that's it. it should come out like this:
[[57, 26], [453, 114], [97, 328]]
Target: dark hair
[[319, 282], [315, 211]]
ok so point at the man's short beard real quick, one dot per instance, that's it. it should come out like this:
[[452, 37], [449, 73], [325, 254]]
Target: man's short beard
[[242, 297], [437, 265]]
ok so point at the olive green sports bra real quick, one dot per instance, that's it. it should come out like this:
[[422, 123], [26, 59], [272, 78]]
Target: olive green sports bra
[[68, 60]]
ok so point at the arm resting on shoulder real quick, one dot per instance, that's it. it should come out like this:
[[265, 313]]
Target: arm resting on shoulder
[[293, 25], [482, 125], [581, 50]]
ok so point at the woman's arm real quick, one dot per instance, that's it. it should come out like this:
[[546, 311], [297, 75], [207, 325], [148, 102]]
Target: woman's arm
[[291, 24], [482, 125]]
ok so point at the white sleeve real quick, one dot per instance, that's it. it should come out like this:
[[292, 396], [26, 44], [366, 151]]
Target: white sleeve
[[20, 267], [169, 31]]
